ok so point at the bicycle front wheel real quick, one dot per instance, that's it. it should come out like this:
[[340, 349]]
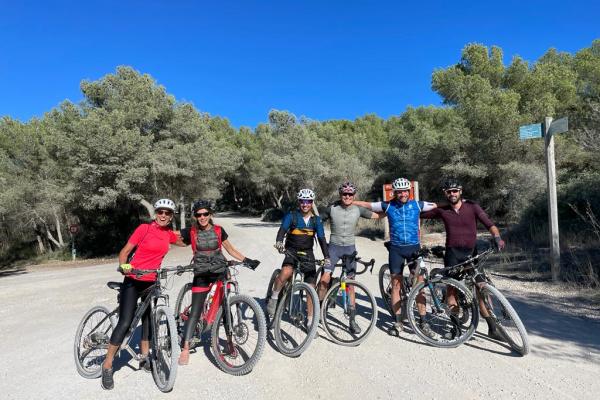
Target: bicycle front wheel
[[506, 319], [91, 342], [166, 349], [183, 306], [237, 348], [435, 309], [294, 326], [337, 313]]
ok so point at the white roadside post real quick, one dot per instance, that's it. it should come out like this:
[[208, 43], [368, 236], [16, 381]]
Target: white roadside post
[[547, 130]]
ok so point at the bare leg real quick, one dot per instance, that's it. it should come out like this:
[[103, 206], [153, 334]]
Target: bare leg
[[110, 355], [395, 295], [323, 284]]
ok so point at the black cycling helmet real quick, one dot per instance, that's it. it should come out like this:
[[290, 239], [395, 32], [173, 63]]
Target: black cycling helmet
[[452, 183], [200, 204]]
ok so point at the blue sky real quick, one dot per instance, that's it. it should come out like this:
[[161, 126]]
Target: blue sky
[[239, 59]]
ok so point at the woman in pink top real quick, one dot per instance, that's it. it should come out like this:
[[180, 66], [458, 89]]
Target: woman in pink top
[[153, 241]]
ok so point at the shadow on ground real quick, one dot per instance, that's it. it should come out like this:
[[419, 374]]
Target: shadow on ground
[[541, 317], [10, 270]]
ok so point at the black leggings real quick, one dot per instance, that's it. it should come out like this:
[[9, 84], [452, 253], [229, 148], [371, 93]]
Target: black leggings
[[198, 298], [130, 292]]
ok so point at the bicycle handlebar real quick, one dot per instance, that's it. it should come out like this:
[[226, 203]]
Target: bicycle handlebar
[[179, 269]]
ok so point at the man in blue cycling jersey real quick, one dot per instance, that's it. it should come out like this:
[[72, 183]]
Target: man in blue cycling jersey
[[403, 216]]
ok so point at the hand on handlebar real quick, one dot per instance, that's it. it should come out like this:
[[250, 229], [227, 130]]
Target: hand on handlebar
[[498, 243], [125, 268], [327, 263], [280, 247], [252, 264]]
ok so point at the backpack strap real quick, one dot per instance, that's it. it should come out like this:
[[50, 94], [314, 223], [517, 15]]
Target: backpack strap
[[218, 231], [193, 235]]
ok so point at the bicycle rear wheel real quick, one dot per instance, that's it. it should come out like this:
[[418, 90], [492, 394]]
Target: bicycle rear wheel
[[183, 306], [239, 352], [271, 283], [385, 287], [292, 330], [506, 319], [335, 313], [165, 349], [441, 325], [91, 342]]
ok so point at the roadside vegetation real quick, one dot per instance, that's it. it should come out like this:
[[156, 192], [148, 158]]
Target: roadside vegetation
[[101, 163]]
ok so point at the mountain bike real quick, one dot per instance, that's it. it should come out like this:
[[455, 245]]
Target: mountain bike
[[292, 327], [490, 299], [237, 322], [94, 330], [385, 281], [348, 300]]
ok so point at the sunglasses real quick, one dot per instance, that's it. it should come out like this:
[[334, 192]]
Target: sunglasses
[[452, 190], [202, 214], [347, 194], [305, 202], [401, 191], [164, 212]]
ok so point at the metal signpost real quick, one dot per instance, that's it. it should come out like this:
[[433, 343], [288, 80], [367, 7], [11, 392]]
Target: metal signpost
[[73, 229], [547, 130]]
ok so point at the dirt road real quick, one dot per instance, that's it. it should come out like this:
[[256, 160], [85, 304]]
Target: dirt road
[[41, 310]]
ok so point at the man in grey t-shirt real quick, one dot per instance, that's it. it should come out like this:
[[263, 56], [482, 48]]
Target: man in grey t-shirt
[[343, 216]]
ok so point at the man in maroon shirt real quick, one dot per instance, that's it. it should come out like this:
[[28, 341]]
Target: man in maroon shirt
[[460, 218]]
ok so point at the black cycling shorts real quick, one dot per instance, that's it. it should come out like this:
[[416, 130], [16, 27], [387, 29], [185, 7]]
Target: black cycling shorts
[[307, 264]]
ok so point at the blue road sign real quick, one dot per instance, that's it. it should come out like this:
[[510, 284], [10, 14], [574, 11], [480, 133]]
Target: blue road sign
[[530, 131]]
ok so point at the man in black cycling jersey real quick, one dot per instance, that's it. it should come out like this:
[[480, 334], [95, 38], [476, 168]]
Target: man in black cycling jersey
[[343, 216], [299, 227], [460, 218]]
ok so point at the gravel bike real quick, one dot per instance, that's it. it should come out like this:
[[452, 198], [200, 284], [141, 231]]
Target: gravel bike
[[94, 330], [348, 300], [385, 281], [293, 328], [238, 327], [490, 299]]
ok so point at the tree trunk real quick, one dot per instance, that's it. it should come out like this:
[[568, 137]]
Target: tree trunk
[[148, 207], [182, 215], [52, 239], [58, 229], [40, 242]]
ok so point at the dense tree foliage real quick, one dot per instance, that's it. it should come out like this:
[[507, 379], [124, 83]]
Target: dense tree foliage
[[102, 162]]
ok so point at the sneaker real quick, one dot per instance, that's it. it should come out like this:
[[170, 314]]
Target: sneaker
[[396, 329], [271, 307], [451, 334], [145, 364], [354, 328], [107, 379], [425, 328], [494, 334]]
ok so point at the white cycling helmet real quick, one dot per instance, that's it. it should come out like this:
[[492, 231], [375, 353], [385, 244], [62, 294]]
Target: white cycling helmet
[[306, 194], [165, 204], [401, 184]]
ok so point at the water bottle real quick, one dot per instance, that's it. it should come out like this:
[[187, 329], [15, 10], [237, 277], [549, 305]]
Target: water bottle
[[209, 297]]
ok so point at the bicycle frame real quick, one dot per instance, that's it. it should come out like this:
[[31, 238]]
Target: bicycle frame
[[154, 295]]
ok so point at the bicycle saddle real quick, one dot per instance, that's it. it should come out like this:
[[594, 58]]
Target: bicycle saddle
[[114, 285]]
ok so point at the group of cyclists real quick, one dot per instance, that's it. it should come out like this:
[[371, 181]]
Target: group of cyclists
[[299, 230]]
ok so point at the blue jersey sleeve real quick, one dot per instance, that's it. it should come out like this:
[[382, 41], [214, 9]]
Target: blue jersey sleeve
[[285, 227], [286, 222]]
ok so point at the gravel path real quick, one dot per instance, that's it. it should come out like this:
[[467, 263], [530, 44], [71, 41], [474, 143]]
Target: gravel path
[[41, 310]]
